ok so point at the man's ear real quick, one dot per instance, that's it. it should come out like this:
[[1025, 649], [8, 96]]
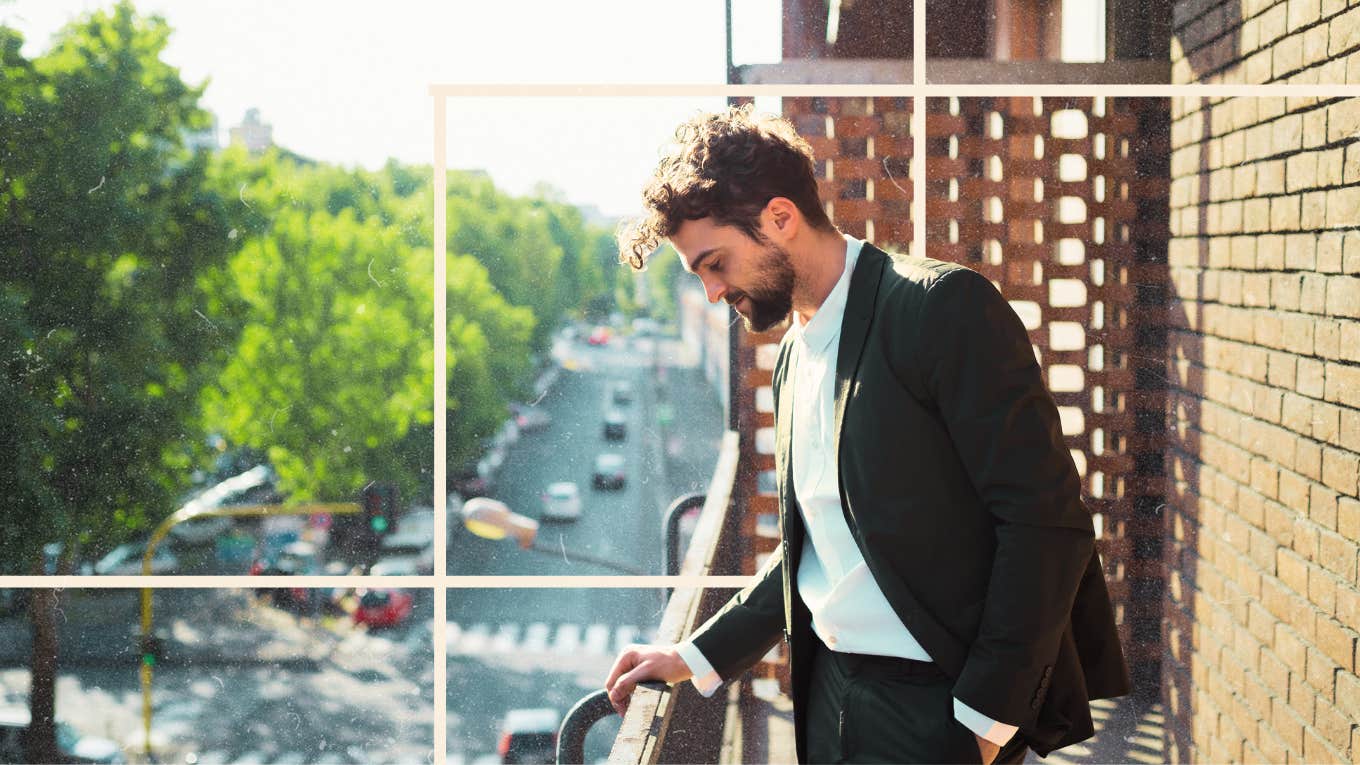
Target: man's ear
[[781, 219]]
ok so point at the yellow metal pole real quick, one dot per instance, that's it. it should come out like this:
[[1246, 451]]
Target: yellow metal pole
[[187, 513]]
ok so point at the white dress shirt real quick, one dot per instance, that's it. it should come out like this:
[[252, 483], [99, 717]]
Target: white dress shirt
[[849, 611]]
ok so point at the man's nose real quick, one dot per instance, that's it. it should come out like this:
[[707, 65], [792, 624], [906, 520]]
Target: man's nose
[[714, 290]]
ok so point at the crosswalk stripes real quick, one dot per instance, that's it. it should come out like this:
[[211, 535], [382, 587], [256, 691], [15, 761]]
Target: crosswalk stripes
[[507, 636], [536, 638], [597, 639], [568, 639], [542, 638]]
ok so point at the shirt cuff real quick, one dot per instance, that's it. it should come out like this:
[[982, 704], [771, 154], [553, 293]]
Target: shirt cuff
[[998, 733], [705, 678]]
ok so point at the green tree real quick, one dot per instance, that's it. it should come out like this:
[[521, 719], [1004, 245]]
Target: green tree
[[333, 367], [107, 231], [489, 346], [663, 277]]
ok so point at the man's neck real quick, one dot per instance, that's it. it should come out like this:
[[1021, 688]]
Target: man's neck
[[817, 267]]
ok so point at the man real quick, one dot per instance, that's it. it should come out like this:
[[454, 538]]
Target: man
[[937, 582]]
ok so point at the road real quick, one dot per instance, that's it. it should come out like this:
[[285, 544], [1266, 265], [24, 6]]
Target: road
[[533, 647], [240, 681], [615, 525]]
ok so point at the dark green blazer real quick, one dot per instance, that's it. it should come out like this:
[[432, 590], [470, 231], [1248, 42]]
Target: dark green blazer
[[963, 499]]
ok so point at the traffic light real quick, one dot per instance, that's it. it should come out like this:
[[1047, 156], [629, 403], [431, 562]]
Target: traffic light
[[379, 501], [152, 649]]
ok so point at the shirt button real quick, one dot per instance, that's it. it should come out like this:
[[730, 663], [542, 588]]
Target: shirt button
[[831, 640]]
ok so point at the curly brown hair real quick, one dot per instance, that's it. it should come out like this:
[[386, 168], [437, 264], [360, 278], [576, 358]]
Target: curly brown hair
[[726, 165]]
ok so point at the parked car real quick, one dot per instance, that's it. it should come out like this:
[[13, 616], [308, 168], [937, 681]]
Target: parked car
[[407, 552], [622, 392], [530, 418], [71, 744], [126, 560], [470, 481], [615, 425], [562, 502], [382, 608], [529, 735], [609, 471], [599, 336], [296, 559], [253, 487], [645, 327]]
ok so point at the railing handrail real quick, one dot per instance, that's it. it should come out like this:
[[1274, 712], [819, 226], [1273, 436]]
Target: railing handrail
[[651, 707]]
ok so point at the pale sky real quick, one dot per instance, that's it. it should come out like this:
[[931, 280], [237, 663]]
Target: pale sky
[[346, 81]]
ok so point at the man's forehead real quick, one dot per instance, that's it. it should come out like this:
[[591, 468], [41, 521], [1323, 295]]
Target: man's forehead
[[691, 263], [696, 240]]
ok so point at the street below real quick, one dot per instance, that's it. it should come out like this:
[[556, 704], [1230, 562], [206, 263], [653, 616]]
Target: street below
[[549, 647]]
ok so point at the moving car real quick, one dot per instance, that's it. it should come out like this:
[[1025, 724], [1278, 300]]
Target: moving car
[[529, 735], [615, 425], [383, 608], [623, 392], [562, 502], [609, 471]]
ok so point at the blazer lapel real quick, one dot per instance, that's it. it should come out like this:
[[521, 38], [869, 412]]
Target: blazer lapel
[[791, 523], [859, 312]]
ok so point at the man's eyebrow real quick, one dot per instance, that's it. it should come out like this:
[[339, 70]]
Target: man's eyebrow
[[699, 261]]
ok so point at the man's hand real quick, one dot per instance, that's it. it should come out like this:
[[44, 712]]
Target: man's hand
[[987, 749], [639, 663]]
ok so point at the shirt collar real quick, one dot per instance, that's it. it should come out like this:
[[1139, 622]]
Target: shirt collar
[[825, 325]]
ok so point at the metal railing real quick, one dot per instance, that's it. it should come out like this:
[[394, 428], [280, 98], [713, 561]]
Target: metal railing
[[655, 709]]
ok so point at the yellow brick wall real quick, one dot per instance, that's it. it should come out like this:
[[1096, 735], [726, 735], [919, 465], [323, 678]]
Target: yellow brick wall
[[1258, 41], [1263, 595]]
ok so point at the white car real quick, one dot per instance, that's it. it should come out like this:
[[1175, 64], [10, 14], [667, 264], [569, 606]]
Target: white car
[[253, 486], [562, 502], [126, 560]]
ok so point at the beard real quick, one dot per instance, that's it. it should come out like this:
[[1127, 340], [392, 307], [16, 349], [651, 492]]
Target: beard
[[770, 299]]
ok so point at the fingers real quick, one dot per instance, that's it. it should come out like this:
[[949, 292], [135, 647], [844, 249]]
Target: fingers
[[636, 664], [626, 661], [623, 689]]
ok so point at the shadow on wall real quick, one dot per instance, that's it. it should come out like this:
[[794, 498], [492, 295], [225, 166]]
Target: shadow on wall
[[1211, 39], [1185, 449]]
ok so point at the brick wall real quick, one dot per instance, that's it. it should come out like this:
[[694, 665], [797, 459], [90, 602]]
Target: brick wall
[[1257, 41], [1263, 593]]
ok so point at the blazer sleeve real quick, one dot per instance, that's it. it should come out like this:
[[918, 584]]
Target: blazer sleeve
[[748, 626], [981, 372]]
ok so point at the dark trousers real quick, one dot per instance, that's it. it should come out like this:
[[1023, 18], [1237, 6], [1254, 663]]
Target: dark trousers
[[881, 709]]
